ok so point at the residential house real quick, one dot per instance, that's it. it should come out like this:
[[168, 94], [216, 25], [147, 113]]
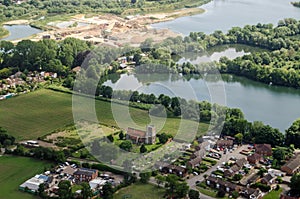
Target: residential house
[[172, 169], [251, 193], [268, 179], [254, 158], [292, 166], [85, 175], [139, 136], [232, 171], [224, 143], [194, 162], [263, 149], [217, 183], [235, 168], [241, 162]]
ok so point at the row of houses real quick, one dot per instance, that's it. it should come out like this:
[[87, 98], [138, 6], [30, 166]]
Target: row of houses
[[229, 187]]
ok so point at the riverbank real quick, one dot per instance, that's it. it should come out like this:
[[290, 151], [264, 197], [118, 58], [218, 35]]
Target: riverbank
[[3, 33]]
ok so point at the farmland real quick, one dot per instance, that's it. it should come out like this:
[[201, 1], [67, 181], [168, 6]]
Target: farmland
[[16, 170], [41, 112]]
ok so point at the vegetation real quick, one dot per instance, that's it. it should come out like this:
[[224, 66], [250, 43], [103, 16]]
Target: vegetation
[[15, 171], [295, 184], [273, 194], [135, 191], [293, 134], [296, 3], [54, 110], [36, 9]]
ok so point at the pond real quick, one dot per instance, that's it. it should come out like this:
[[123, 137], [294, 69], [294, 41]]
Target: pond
[[20, 31]]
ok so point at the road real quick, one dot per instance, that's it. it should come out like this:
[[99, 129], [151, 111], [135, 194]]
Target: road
[[236, 153]]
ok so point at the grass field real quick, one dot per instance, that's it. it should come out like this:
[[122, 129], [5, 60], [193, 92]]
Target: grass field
[[41, 112], [14, 171], [140, 191], [273, 194]]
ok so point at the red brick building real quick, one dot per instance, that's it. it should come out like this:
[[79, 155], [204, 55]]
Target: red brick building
[[85, 175]]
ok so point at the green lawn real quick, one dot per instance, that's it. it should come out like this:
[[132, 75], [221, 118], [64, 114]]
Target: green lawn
[[41, 112], [273, 194], [209, 192], [140, 191], [16, 170]]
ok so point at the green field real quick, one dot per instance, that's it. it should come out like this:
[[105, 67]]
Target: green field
[[16, 170], [38, 113], [273, 194], [140, 191]]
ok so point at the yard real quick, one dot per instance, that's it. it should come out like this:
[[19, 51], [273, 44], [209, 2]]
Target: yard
[[140, 191], [35, 114], [273, 194], [16, 170]]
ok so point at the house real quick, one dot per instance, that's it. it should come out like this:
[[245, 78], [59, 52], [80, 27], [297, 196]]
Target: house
[[241, 162], [288, 196], [254, 158], [292, 166], [217, 183], [139, 136], [224, 143], [97, 183], [232, 171], [268, 179], [251, 193], [85, 175], [194, 162], [235, 168], [68, 171], [177, 170], [263, 149]]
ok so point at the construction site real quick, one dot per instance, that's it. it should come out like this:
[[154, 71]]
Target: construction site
[[113, 30]]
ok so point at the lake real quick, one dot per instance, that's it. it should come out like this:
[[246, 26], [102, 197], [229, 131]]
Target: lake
[[20, 31], [273, 105], [224, 14]]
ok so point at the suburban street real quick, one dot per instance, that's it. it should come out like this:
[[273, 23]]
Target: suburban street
[[236, 153]]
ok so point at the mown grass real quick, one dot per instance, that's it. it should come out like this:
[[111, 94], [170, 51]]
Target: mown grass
[[274, 194], [140, 191], [35, 114], [16, 170]]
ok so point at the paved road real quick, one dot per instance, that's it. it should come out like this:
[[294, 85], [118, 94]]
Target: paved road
[[236, 153]]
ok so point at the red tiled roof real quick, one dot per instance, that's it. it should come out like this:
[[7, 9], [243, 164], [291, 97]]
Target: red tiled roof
[[136, 133]]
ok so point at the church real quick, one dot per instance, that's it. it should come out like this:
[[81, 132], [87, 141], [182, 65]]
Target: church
[[139, 136]]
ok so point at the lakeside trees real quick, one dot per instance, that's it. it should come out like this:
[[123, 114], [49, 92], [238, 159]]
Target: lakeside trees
[[293, 134]]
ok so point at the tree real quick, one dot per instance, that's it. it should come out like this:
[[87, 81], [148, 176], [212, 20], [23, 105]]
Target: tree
[[239, 137], [107, 191], [235, 194], [159, 179], [86, 191], [126, 145], [65, 190], [110, 138], [221, 193], [163, 138], [121, 135], [293, 134], [295, 184], [193, 194], [41, 191], [145, 177], [143, 149]]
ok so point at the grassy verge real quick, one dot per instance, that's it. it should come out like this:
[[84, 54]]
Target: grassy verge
[[16, 170], [210, 192], [138, 191], [41, 112]]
